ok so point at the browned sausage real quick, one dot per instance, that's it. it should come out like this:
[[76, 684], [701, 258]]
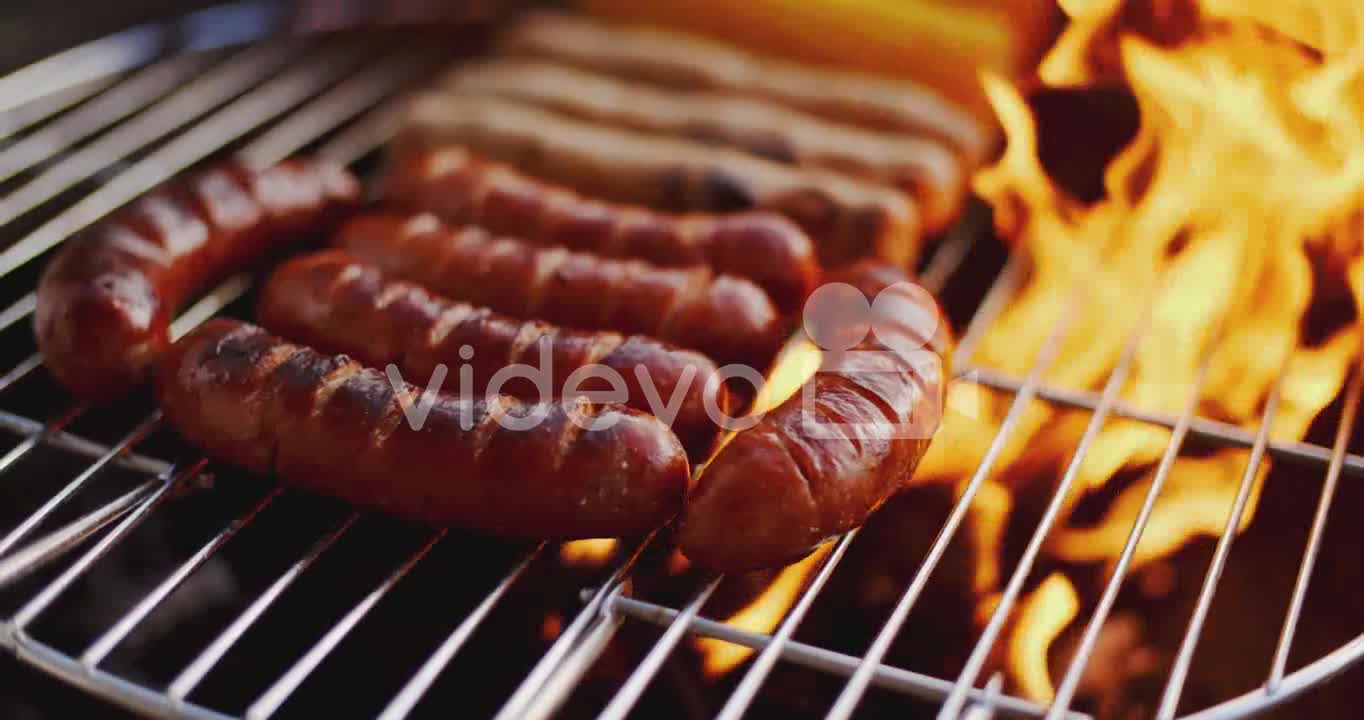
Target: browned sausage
[[826, 458], [690, 62], [106, 301], [847, 218], [728, 318], [453, 183], [327, 424], [332, 302], [923, 167]]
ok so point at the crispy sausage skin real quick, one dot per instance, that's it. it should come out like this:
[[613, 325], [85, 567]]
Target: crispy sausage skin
[[459, 187], [332, 302], [105, 302], [728, 318], [847, 218], [690, 62], [326, 424], [923, 167], [818, 464]]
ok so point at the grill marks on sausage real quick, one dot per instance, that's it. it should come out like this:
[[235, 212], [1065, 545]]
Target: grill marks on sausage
[[106, 300], [332, 301], [328, 424], [728, 318], [461, 188], [672, 174]]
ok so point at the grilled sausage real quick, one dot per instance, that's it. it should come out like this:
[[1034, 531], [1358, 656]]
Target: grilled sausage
[[847, 218], [728, 318], [462, 188], [818, 464], [689, 62], [332, 302], [329, 425], [925, 168], [105, 302]]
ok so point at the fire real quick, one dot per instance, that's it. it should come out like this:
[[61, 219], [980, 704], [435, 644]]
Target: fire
[[592, 552], [762, 615], [1047, 610], [1237, 205], [796, 363]]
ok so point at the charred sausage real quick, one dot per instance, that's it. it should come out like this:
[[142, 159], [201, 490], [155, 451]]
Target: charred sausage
[[728, 318], [689, 62], [923, 167], [332, 302], [326, 424], [847, 218], [818, 464], [462, 188], [105, 302]]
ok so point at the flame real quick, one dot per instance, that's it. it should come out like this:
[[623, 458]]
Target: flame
[[1239, 203], [1041, 618], [762, 615], [797, 362], [592, 552]]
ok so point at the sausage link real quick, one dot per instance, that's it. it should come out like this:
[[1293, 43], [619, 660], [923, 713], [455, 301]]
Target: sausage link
[[923, 167], [332, 302], [326, 424], [821, 462], [728, 318], [847, 218], [461, 188], [105, 302], [689, 62]]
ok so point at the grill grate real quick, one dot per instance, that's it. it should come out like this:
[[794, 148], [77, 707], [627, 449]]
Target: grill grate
[[135, 131]]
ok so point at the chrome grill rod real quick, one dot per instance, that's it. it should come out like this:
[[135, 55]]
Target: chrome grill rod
[[307, 124], [952, 707]]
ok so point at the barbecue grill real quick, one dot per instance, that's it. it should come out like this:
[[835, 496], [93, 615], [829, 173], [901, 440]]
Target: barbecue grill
[[101, 123]]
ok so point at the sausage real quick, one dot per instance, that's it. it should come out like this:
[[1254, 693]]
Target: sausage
[[332, 302], [105, 302], [871, 277], [925, 168], [689, 62], [327, 424], [847, 218], [459, 187], [728, 318], [821, 462]]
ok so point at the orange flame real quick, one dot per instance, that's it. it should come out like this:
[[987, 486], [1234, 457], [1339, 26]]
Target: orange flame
[[1247, 173]]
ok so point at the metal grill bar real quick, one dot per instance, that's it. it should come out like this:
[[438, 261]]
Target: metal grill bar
[[101, 648], [145, 428], [1300, 453], [196, 143], [888, 677], [525, 694], [558, 670], [194, 673], [412, 692], [1344, 432], [635, 685], [26, 116], [130, 96], [278, 693], [1179, 673], [953, 706], [233, 76], [1089, 641], [747, 690], [52, 590]]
